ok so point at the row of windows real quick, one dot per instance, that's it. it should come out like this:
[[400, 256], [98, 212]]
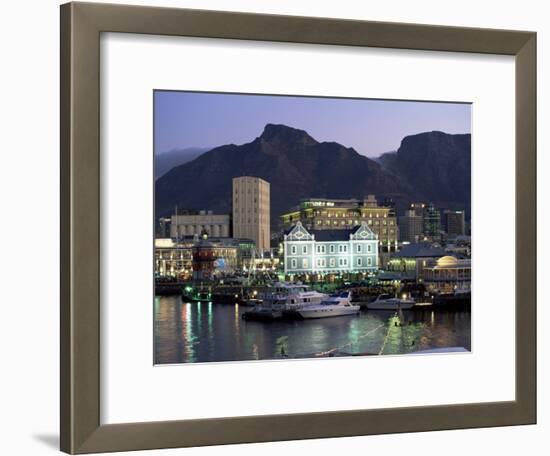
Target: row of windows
[[322, 262], [352, 223], [331, 214], [342, 248]]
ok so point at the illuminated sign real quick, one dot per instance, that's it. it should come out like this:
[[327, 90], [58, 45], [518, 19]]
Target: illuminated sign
[[318, 204]]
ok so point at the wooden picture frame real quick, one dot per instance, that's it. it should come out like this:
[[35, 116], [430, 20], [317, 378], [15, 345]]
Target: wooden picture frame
[[81, 26]]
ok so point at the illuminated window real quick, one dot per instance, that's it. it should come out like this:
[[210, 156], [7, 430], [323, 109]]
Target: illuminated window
[[304, 263]]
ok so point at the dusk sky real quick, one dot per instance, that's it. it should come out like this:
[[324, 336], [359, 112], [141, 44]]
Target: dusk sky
[[372, 127]]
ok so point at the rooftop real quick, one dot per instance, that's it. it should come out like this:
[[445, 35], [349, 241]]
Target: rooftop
[[332, 235]]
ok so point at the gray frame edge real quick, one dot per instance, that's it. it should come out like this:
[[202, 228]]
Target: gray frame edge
[[81, 25]]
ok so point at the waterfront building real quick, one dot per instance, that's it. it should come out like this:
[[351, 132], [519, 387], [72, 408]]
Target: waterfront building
[[410, 261], [343, 214], [189, 223], [333, 251], [448, 274], [251, 210], [432, 221], [455, 223], [411, 226], [173, 259], [212, 257], [221, 256]]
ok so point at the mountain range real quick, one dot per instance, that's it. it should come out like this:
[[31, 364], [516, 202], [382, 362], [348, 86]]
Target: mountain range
[[432, 167]]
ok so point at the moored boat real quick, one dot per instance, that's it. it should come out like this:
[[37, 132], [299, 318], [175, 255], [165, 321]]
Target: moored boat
[[334, 306], [282, 299]]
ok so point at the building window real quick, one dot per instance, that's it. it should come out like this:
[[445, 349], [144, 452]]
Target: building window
[[304, 249], [293, 264], [369, 248], [293, 250], [369, 261], [304, 264], [318, 249], [359, 262], [332, 262], [359, 248], [331, 248]]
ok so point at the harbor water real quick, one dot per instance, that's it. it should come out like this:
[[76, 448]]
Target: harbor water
[[208, 332]]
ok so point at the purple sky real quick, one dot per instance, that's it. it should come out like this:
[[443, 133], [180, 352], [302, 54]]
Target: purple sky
[[372, 127]]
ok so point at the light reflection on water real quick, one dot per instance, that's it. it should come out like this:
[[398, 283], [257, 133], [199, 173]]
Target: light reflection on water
[[204, 332]]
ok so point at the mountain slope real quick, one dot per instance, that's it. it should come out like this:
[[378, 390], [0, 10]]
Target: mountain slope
[[165, 161]]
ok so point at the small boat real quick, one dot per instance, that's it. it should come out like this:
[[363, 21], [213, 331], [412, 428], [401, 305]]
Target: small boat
[[389, 302], [282, 300], [334, 306]]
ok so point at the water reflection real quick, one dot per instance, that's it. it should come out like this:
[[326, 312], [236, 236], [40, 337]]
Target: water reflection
[[203, 332]]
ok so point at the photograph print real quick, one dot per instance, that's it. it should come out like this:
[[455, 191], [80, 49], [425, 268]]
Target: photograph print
[[294, 227]]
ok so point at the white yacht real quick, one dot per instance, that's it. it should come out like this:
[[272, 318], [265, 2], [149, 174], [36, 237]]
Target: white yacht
[[283, 298], [334, 306], [389, 302]]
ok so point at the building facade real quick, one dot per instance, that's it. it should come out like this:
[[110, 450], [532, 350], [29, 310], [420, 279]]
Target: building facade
[[448, 274], [455, 223], [410, 261], [432, 221], [330, 251], [418, 208], [251, 210], [335, 214], [173, 259], [203, 258], [191, 223], [410, 226]]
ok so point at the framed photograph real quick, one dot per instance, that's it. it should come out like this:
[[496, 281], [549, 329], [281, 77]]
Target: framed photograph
[[278, 227]]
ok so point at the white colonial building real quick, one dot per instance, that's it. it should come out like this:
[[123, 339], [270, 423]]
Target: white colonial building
[[330, 251]]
